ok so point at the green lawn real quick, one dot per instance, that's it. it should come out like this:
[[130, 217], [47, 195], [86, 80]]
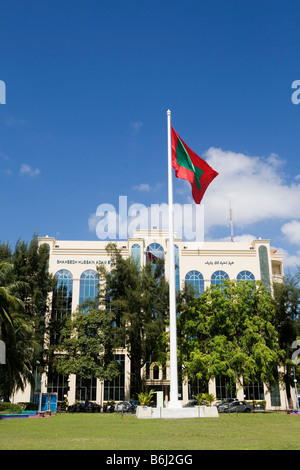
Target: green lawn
[[259, 431]]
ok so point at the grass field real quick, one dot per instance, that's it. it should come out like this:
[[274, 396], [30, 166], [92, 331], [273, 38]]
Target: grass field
[[253, 431]]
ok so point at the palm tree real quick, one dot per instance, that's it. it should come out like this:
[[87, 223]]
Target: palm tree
[[8, 301], [16, 330]]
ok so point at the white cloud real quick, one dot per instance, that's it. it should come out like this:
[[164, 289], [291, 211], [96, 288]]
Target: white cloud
[[292, 231], [144, 187], [290, 260], [11, 122], [27, 170], [256, 187], [5, 157], [136, 126]]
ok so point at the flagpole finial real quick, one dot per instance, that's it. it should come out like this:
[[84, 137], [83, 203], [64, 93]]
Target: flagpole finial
[[169, 112]]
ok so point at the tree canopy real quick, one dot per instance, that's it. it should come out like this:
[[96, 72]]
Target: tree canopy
[[138, 299], [85, 347], [229, 332], [24, 286]]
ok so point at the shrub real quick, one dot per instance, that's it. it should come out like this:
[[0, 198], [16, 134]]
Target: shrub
[[7, 408], [146, 398], [28, 406], [205, 399]]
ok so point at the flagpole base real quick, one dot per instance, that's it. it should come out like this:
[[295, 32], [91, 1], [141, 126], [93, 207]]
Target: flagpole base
[[143, 412], [174, 404]]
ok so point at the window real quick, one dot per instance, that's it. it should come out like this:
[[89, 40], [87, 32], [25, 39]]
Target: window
[[195, 387], [245, 276], [218, 277], [115, 389], [61, 302], [64, 287], [57, 383], [156, 372], [264, 266], [195, 279], [153, 252], [254, 391], [86, 388], [177, 273], [225, 388], [275, 395], [88, 286], [136, 254]]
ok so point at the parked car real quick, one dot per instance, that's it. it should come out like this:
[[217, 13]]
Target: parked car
[[226, 401], [125, 407], [109, 407], [84, 407], [235, 406], [190, 404]]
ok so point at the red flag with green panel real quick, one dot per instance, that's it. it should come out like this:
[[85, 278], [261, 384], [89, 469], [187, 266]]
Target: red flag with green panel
[[189, 166]]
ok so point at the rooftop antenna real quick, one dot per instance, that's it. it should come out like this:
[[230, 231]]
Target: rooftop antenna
[[231, 223]]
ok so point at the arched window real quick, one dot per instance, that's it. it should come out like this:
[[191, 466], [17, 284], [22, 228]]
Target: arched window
[[153, 252], [195, 279], [61, 302], [177, 273], [89, 282], [245, 276], [218, 277], [63, 291], [136, 254], [156, 372]]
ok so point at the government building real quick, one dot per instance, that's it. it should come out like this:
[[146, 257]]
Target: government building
[[74, 264]]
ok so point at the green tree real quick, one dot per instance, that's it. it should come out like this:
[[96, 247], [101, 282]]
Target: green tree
[[85, 347], [8, 302], [229, 332], [24, 283], [31, 266], [17, 333], [138, 299], [286, 321]]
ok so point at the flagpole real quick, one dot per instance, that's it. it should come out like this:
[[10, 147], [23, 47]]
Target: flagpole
[[174, 402]]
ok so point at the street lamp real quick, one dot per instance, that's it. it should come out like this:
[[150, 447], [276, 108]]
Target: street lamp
[[40, 401], [296, 390]]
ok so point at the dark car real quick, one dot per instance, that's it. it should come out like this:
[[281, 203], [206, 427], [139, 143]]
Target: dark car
[[84, 407], [190, 404], [235, 406], [125, 407]]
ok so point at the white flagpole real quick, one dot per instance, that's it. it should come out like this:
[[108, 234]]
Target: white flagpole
[[174, 402]]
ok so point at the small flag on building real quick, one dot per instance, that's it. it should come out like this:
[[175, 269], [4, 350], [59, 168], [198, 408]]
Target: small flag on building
[[189, 166]]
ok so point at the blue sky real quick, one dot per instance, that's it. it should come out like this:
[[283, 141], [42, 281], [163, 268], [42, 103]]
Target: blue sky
[[88, 84]]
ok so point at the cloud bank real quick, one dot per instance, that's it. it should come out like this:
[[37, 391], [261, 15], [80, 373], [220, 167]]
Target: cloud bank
[[256, 186], [259, 191]]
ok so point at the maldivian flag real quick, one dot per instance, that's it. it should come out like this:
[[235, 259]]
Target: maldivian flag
[[189, 166]]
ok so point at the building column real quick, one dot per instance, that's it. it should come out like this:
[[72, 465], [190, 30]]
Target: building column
[[185, 391], [212, 387], [99, 392], [72, 389], [75, 294], [126, 376]]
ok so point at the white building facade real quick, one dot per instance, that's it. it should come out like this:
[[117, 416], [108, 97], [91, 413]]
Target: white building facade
[[74, 264]]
